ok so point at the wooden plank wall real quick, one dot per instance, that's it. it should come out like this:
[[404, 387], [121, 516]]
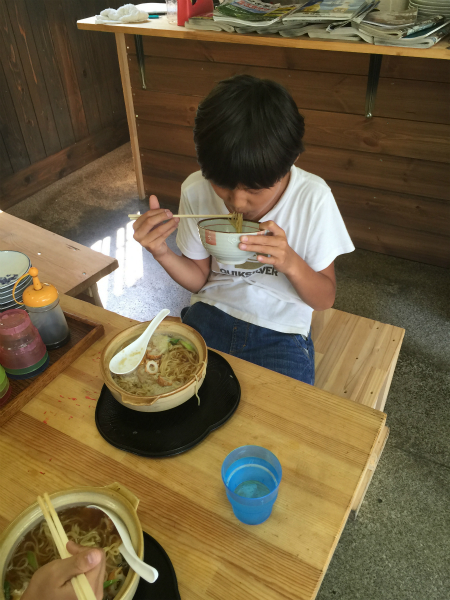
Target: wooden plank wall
[[390, 174], [61, 99]]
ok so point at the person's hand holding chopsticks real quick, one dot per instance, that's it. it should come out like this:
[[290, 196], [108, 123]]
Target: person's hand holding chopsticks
[[52, 581], [153, 228]]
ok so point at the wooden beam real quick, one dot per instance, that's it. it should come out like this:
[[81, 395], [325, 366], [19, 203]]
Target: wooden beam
[[131, 117]]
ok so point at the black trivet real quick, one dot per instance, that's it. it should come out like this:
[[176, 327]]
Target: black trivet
[[176, 430], [166, 586]]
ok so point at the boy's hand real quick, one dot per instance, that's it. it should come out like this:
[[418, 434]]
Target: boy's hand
[[52, 581], [151, 230], [282, 256]]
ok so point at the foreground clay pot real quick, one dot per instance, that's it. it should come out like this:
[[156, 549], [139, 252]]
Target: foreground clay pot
[[113, 497]]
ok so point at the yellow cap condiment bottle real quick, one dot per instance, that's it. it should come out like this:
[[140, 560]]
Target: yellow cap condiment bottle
[[42, 303]]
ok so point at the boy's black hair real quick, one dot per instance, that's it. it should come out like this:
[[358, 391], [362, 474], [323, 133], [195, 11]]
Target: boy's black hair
[[247, 132]]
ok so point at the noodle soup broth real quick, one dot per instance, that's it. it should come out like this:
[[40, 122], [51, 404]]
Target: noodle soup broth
[[182, 372], [170, 362], [86, 526]]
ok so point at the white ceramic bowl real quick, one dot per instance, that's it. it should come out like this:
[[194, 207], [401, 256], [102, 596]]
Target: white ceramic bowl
[[113, 497], [163, 401], [219, 237], [12, 266]]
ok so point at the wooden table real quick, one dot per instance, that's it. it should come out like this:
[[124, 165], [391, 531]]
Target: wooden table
[[71, 267], [323, 443]]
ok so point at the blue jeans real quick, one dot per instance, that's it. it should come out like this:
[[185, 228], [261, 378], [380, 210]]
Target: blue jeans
[[286, 353]]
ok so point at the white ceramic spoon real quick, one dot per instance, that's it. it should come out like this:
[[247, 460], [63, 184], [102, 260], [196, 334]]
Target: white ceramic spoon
[[129, 358], [126, 548]]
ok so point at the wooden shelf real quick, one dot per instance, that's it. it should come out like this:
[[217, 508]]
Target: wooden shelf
[[161, 28]]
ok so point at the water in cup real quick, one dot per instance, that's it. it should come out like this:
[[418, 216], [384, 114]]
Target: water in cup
[[251, 489], [251, 475], [254, 477]]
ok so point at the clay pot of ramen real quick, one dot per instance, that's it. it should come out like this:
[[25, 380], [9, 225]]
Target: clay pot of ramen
[[71, 508], [128, 390]]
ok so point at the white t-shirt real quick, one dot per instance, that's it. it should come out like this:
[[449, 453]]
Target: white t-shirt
[[258, 293]]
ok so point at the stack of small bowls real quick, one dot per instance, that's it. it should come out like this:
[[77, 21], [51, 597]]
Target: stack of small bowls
[[23, 354], [5, 390], [12, 266]]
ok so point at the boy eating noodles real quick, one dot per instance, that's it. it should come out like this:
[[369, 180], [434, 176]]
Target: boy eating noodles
[[248, 134]]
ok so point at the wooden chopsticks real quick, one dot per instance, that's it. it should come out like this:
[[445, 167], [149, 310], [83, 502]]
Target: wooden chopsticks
[[133, 217], [80, 583]]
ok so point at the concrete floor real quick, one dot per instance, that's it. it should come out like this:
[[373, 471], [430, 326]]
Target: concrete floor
[[399, 547]]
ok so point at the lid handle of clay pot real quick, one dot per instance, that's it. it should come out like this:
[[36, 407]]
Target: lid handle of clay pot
[[123, 491]]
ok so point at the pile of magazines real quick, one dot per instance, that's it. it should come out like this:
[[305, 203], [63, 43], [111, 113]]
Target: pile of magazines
[[349, 20], [403, 28], [244, 16]]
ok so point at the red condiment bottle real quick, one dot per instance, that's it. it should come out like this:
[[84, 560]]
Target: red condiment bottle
[[193, 8]]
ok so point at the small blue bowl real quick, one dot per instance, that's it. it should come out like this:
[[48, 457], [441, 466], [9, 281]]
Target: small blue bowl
[[251, 475]]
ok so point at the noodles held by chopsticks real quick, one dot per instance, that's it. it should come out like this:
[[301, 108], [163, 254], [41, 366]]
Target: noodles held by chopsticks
[[236, 219]]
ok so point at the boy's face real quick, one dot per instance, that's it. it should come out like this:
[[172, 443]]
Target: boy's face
[[254, 204]]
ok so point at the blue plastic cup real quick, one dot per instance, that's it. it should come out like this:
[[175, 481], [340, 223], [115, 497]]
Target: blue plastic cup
[[251, 475]]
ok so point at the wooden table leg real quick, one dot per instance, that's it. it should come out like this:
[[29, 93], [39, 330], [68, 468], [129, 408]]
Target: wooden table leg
[[131, 115], [365, 482], [93, 293]]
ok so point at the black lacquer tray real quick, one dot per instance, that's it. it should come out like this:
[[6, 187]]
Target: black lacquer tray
[[166, 586], [174, 431]]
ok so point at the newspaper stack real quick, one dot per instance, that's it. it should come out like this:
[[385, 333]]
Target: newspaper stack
[[301, 28], [347, 33], [349, 20], [323, 19], [206, 23], [425, 38], [403, 28], [329, 10], [247, 16]]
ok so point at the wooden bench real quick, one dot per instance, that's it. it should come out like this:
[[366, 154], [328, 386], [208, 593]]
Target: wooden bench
[[356, 359]]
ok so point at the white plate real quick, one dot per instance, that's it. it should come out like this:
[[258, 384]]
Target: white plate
[[433, 7], [12, 266], [19, 289], [439, 10], [421, 7], [7, 289], [10, 305], [430, 3], [445, 7], [434, 13]]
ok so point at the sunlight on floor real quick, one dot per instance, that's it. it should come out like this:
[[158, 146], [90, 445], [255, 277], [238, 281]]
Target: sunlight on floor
[[128, 253]]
